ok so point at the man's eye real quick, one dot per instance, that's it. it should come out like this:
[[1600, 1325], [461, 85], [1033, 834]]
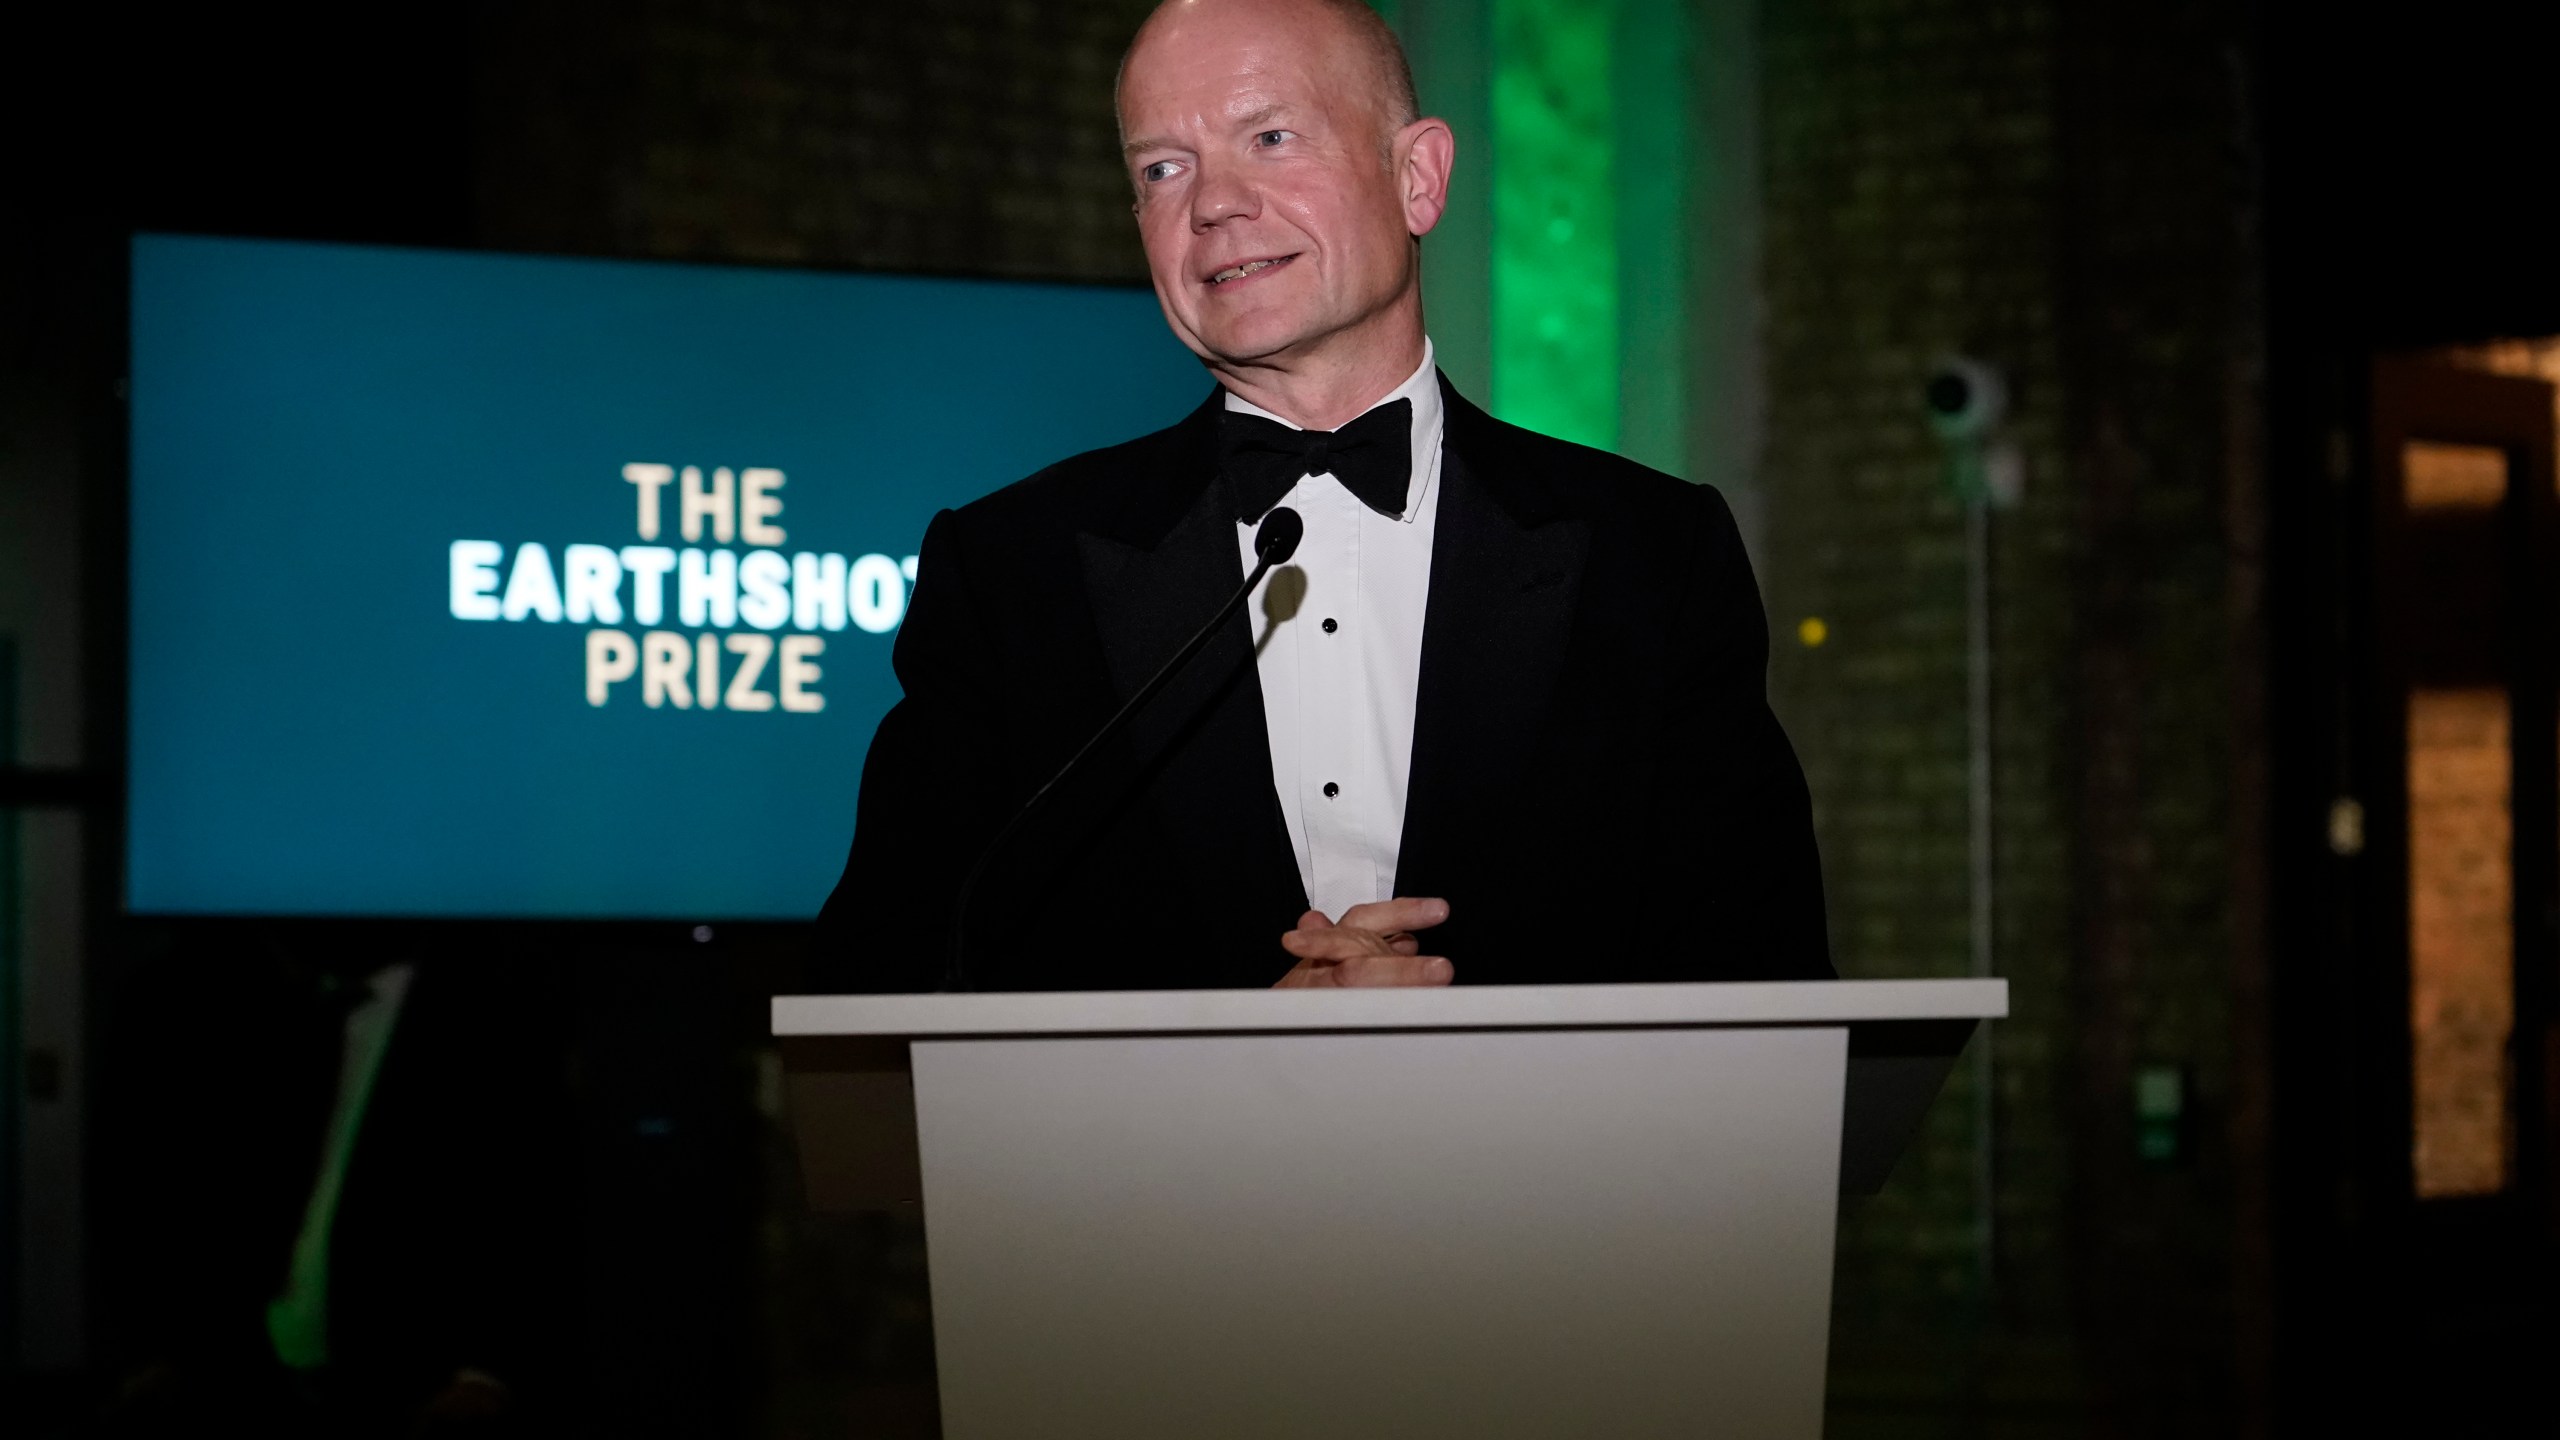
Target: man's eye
[[1161, 170], [1274, 137]]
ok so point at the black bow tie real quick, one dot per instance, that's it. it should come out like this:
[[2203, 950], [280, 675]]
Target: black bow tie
[[1372, 457]]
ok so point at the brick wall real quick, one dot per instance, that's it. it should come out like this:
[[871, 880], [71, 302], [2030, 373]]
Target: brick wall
[[2065, 192], [964, 136]]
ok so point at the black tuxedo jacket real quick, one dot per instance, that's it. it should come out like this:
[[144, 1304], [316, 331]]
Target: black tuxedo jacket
[[1598, 787]]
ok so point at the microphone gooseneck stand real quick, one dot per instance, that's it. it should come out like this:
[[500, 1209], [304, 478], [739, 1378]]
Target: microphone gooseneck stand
[[1273, 543]]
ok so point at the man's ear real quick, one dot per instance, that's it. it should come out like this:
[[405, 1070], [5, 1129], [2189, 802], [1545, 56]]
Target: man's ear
[[1425, 153]]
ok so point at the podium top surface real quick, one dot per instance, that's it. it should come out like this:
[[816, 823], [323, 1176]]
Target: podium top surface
[[1469, 1007]]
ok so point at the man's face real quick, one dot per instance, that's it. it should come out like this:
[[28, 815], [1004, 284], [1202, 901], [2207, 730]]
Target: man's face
[[1267, 202]]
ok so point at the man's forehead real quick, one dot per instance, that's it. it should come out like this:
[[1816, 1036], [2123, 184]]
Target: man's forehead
[[1228, 61], [1249, 98], [1209, 28]]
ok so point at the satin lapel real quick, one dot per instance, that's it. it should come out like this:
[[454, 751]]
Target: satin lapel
[[1505, 573], [1201, 747]]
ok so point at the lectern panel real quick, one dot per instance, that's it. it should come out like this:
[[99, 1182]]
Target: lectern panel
[[1489, 1234]]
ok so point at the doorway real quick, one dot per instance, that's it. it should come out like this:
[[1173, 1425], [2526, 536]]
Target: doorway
[[2444, 838]]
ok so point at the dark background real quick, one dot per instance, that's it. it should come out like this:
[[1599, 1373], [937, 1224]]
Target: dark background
[[2184, 228]]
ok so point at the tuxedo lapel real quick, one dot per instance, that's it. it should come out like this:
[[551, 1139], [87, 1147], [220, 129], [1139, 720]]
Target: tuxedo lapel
[[1506, 570], [1153, 574]]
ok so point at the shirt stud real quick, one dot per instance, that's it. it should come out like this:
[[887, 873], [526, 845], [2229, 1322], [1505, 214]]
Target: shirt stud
[[1331, 789], [1329, 625]]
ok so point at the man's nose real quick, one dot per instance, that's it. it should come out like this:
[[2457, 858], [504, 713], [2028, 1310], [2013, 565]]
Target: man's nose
[[1223, 194]]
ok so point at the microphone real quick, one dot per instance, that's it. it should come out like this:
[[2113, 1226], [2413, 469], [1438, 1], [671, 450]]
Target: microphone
[[1274, 541]]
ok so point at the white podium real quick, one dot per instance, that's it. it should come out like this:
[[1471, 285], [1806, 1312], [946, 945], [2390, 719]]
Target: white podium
[[1552, 1211]]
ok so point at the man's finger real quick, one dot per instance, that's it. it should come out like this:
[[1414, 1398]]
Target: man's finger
[[1401, 915], [1377, 971], [1314, 920], [1331, 944], [1308, 975], [1349, 941]]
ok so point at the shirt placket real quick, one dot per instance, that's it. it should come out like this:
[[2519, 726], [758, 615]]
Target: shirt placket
[[1333, 710]]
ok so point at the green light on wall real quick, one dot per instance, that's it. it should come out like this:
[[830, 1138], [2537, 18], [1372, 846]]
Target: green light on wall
[[1595, 275], [1555, 223]]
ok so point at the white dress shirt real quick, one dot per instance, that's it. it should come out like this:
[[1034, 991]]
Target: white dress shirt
[[1338, 637]]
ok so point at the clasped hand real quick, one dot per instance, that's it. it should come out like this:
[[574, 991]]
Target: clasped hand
[[1371, 944]]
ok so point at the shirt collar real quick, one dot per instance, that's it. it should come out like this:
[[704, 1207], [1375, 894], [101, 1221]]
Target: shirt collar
[[1422, 387]]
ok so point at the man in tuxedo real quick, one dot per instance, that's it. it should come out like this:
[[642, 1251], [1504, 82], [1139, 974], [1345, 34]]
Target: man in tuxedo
[[1501, 719]]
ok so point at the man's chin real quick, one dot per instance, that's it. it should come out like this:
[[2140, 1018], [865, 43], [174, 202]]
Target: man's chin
[[1258, 342]]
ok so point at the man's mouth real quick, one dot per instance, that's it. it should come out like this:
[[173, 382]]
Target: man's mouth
[[1248, 270]]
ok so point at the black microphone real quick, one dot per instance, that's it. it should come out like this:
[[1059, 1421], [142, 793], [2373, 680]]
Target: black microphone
[[1274, 541]]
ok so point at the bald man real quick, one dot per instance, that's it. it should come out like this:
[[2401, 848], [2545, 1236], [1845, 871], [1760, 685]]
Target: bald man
[[1501, 719]]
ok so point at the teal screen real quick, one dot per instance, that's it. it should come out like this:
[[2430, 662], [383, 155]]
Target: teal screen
[[407, 638]]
